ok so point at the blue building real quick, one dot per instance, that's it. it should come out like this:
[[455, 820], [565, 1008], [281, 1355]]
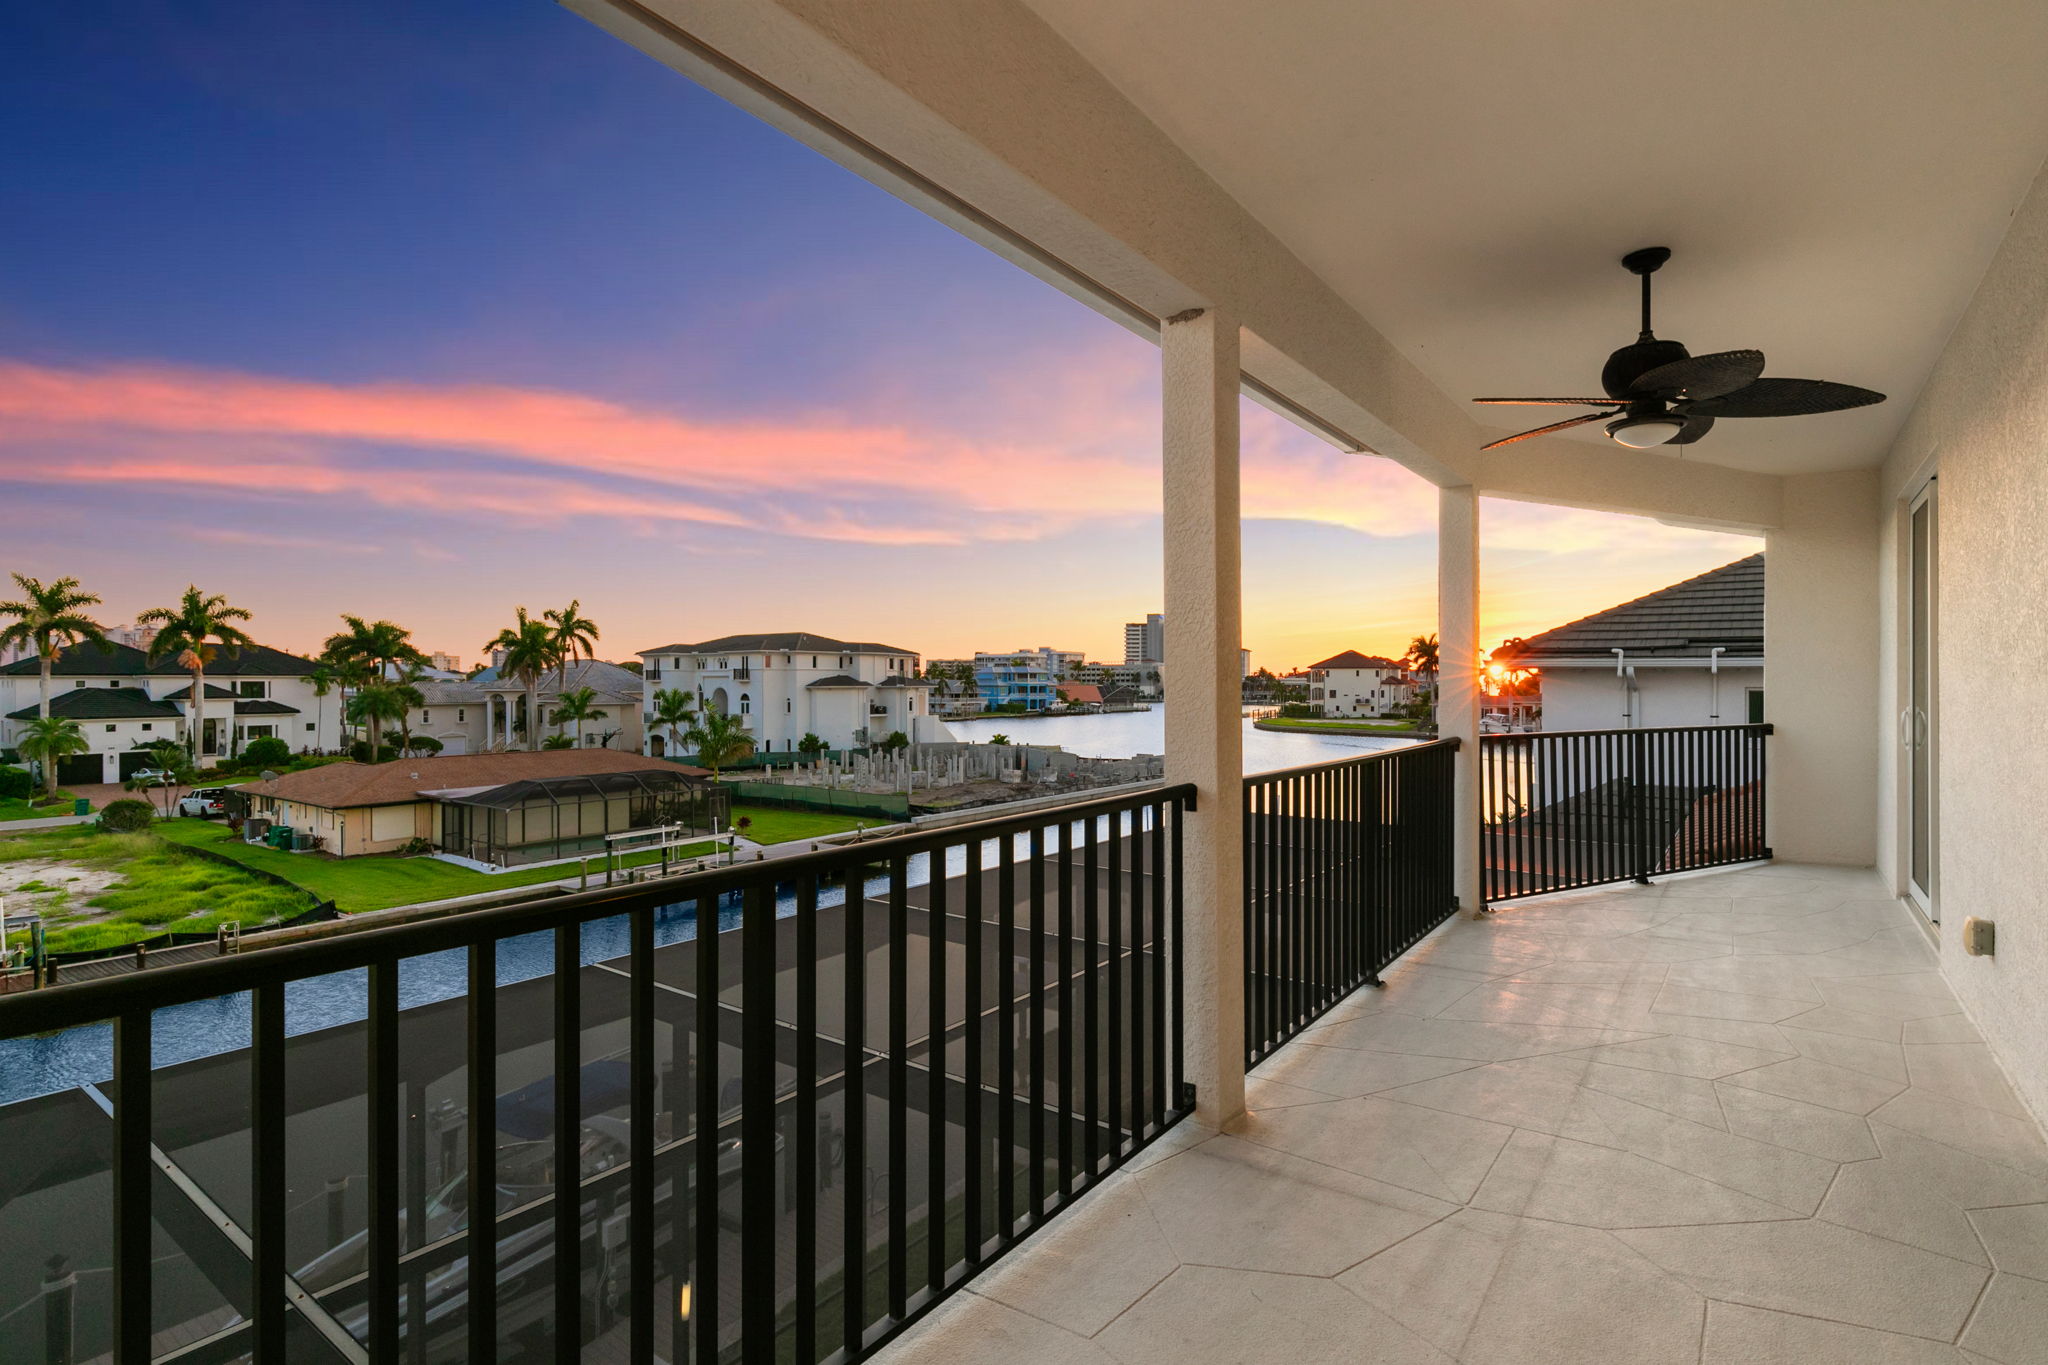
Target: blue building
[[1017, 680]]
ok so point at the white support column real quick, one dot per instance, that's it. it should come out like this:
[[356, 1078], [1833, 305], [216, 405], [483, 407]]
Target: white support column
[[1204, 732], [1457, 651]]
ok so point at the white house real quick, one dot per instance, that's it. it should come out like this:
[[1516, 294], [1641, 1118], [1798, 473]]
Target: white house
[[120, 699], [1689, 654], [1354, 684], [784, 686], [484, 714]]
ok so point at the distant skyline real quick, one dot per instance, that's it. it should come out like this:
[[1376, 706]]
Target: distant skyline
[[429, 312]]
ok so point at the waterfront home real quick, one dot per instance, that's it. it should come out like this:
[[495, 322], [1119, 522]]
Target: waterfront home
[[1018, 682], [255, 693], [1354, 684], [783, 686], [1689, 654], [496, 809], [486, 714]]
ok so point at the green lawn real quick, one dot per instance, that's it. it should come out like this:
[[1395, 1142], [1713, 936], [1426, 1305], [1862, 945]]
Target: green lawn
[[158, 890], [12, 808], [774, 825], [1289, 723], [379, 882]]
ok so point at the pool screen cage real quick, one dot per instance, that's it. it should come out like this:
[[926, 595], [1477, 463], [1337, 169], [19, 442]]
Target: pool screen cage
[[545, 819]]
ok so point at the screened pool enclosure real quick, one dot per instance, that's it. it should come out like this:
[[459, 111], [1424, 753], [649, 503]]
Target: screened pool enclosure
[[545, 819]]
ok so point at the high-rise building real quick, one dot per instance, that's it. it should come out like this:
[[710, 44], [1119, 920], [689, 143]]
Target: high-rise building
[[1145, 641]]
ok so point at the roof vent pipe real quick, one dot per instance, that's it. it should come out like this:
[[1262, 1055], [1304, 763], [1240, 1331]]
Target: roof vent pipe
[[1621, 676], [1714, 681]]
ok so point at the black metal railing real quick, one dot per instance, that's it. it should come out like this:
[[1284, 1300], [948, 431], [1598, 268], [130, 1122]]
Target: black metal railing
[[1576, 808], [779, 1141], [1346, 866]]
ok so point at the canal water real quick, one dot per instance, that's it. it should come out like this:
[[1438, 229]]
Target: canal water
[[183, 1033]]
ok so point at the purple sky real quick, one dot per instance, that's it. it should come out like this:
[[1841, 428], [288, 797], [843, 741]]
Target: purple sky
[[428, 311]]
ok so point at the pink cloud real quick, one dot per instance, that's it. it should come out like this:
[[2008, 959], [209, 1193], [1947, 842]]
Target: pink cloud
[[1096, 454]]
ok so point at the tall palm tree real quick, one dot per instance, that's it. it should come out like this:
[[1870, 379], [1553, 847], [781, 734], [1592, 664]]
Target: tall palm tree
[[719, 739], [46, 739], [675, 710], [382, 701], [330, 675], [578, 704], [575, 636], [47, 620], [194, 632], [530, 652], [382, 645]]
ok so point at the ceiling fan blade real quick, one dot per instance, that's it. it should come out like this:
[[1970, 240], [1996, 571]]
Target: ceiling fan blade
[[1695, 427], [1601, 402], [1785, 398], [1544, 431], [1701, 376]]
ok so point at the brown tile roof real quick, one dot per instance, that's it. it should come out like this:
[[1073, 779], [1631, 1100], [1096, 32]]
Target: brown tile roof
[[1351, 658], [334, 786]]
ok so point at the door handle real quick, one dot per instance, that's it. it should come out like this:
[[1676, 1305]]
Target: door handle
[[1906, 728]]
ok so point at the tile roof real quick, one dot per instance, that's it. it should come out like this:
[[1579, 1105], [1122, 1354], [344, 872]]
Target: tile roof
[[102, 703], [126, 661], [837, 680], [262, 706], [1351, 658], [789, 642], [334, 786], [1723, 607], [612, 683]]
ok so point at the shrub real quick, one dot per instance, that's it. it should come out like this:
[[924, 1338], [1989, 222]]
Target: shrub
[[127, 817], [266, 752], [1298, 710], [15, 784], [360, 752]]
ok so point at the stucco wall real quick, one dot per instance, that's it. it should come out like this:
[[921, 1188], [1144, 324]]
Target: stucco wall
[[1821, 654], [1984, 418], [1590, 698]]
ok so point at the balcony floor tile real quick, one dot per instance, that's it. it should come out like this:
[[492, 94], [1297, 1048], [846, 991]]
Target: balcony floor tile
[[1726, 1118]]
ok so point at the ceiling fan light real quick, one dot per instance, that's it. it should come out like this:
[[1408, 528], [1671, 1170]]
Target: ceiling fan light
[[1641, 433]]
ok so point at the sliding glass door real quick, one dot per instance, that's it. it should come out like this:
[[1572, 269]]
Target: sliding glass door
[[1917, 727]]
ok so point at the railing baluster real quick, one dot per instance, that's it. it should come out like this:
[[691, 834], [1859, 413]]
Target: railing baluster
[[1117, 1032], [1162, 1102], [971, 1079], [640, 1132], [854, 1185], [935, 1082], [759, 1213], [805, 1124], [705, 1207], [269, 1187], [1036, 879], [899, 1089], [481, 1270], [385, 1195], [1091, 1025], [1006, 1042], [133, 1169], [1065, 1009], [568, 1188]]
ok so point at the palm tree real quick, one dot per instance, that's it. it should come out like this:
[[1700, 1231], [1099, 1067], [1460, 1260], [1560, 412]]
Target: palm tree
[[47, 620], [174, 768], [719, 739], [200, 627], [380, 645], [576, 707], [530, 651], [379, 702], [46, 739], [330, 675], [575, 635], [558, 742], [675, 711], [999, 739]]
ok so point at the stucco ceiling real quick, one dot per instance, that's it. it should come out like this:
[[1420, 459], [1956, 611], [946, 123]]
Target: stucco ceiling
[[1832, 177]]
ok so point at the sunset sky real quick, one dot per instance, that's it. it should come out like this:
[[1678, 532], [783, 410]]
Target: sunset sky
[[427, 310]]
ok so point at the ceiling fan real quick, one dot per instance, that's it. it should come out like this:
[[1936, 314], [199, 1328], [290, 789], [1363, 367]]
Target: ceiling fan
[[1659, 394]]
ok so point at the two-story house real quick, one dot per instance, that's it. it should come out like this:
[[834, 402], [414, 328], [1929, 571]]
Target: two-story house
[[121, 700], [787, 685], [1354, 684], [486, 714]]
